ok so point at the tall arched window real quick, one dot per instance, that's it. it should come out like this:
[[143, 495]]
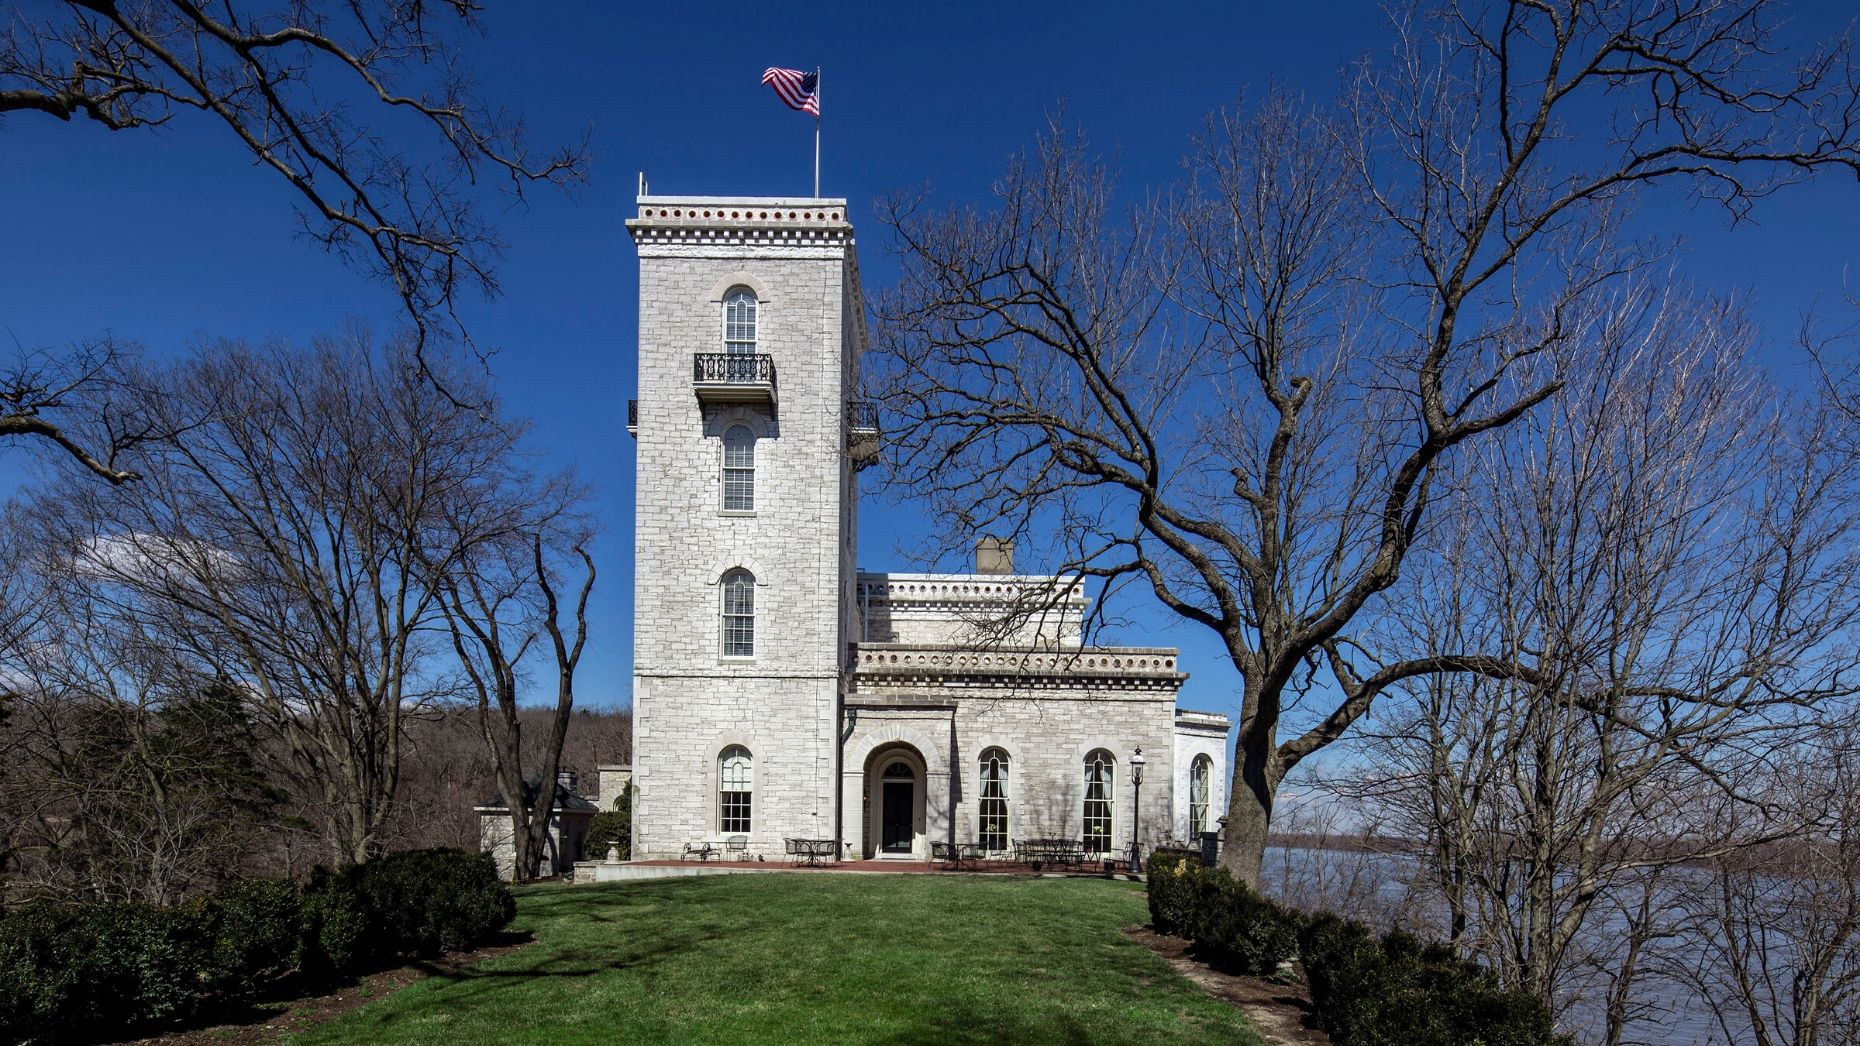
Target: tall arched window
[[1100, 793], [1199, 771], [739, 614], [994, 810], [736, 788], [739, 321], [739, 469]]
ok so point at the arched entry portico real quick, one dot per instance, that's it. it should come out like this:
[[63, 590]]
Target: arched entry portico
[[895, 793]]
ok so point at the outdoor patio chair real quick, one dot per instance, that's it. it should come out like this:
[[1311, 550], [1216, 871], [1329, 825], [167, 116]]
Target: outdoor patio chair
[[701, 850], [953, 855], [738, 847]]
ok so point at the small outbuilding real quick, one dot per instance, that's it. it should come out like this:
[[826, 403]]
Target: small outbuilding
[[568, 828]]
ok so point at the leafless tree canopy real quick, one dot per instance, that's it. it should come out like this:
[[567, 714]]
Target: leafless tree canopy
[[366, 110], [1242, 393], [1665, 553], [285, 545], [330, 547]]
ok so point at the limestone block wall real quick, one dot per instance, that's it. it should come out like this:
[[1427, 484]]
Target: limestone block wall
[[689, 701], [1199, 733], [612, 782], [1047, 738], [681, 727], [1046, 710]]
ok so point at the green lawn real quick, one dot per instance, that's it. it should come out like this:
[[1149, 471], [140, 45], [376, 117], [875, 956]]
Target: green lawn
[[825, 958]]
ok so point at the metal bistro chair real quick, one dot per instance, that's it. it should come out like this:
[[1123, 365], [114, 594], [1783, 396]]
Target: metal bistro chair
[[738, 847], [952, 855]]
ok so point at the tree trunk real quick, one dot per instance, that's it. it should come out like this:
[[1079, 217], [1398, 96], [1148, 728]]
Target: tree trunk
[[1254, 788]]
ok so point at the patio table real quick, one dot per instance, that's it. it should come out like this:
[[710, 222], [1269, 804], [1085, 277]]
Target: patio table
[[813, 851]]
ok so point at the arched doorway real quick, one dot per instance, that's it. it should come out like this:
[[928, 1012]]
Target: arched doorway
[[894, 799]]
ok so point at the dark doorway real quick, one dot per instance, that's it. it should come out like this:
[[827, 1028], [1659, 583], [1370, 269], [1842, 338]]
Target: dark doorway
[[895, 817]]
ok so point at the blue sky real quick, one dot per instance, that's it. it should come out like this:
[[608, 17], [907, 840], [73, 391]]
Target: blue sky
[[171, 236]]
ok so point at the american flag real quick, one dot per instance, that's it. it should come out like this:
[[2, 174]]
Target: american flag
[[800, 90]]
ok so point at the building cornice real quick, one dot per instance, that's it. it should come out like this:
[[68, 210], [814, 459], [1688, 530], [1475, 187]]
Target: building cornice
[[739, 222], [1120, 668]]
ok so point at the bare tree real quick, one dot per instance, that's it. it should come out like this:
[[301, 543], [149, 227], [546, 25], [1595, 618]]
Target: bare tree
[[1771, 947], [1665, 554], [285, 80], [499, 597], [285, 546], [1241, 399], [74, 399]]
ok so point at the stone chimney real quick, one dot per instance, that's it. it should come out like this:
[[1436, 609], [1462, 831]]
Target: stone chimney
[[994, 555], [568, 779]]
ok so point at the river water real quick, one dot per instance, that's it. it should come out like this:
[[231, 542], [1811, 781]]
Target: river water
[[1383, 890]]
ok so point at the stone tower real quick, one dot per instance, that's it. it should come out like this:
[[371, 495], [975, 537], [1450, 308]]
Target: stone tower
[[750, 327]]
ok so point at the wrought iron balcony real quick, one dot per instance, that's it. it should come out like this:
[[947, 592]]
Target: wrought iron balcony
[[862, 437], [733, 377], [632, 417]]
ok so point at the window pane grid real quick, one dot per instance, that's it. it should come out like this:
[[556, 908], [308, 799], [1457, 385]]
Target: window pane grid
[[1198, 793], [739, 490], [737, 788], [739, 323], [994, 817], [739, 615], [1099, 794], [739, 470]]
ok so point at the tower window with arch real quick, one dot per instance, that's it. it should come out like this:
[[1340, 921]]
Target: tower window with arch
[[1199, 773], [739, 469], [1100, 794], [739, 614], [993, 835], [739, 321], [736, 789]]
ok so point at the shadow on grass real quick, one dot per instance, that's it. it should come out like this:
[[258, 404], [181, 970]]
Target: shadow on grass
[[963, 1022]]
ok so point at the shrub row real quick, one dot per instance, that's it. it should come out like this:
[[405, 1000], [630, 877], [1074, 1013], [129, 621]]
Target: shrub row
[[1392, 990], [72, 970]]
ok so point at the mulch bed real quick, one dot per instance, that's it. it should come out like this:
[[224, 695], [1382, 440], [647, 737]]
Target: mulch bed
[[1281, 1012], [271, 1016]]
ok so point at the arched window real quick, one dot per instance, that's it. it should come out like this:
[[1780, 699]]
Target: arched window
[[739, 321], [739, 469], [739, 614], [736, 787], [1100, 792], [1199, 771], [994, 812]]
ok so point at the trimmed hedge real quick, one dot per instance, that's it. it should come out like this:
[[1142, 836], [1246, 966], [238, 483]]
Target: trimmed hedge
[[112, 966], [1171, 889], [1393, 990]]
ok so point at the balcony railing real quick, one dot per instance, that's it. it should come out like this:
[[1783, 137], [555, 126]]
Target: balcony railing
[[862, 439], [733, 376]]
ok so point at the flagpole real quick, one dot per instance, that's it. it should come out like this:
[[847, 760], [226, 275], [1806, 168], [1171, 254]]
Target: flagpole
[[816, 133]]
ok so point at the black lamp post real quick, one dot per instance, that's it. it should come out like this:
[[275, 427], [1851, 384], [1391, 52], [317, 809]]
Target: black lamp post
[[1136, 808]]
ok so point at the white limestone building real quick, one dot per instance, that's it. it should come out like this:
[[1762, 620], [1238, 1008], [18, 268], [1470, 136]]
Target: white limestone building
[[779, 691]]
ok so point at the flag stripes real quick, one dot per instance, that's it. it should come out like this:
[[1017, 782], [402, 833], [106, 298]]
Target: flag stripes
[[800, 90]]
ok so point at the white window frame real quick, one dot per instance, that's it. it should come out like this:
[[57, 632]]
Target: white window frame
[[725, 469], [996, 793], [1200, 781], [1100, 789], [741, 316], [736, 790], [741, 580]]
